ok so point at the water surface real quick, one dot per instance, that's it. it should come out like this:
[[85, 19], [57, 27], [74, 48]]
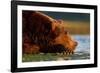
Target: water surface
[[83, 49]]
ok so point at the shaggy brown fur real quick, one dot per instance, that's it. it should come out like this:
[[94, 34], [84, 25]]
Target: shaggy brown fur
[[42, 33]]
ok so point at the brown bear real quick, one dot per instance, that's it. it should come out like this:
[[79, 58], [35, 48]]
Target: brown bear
[[42, 33]]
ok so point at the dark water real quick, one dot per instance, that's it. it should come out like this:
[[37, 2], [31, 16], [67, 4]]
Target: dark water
[[83, 49]]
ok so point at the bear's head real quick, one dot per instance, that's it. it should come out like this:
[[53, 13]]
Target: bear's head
[[66, 40]]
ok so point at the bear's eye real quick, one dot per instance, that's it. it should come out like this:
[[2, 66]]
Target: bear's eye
[[66, 32]]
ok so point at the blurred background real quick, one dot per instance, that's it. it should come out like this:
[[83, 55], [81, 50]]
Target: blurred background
[[76, 23]]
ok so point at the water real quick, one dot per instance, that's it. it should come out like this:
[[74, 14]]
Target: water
[[83, 49]]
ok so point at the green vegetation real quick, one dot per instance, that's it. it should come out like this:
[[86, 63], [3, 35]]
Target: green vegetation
[[53, 57], [43, 57], [77, 27]]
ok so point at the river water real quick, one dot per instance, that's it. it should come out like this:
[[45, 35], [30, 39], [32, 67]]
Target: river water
[[83, 49]]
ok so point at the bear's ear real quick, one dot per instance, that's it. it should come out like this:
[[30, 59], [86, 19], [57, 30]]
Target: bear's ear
[[60, 21]]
